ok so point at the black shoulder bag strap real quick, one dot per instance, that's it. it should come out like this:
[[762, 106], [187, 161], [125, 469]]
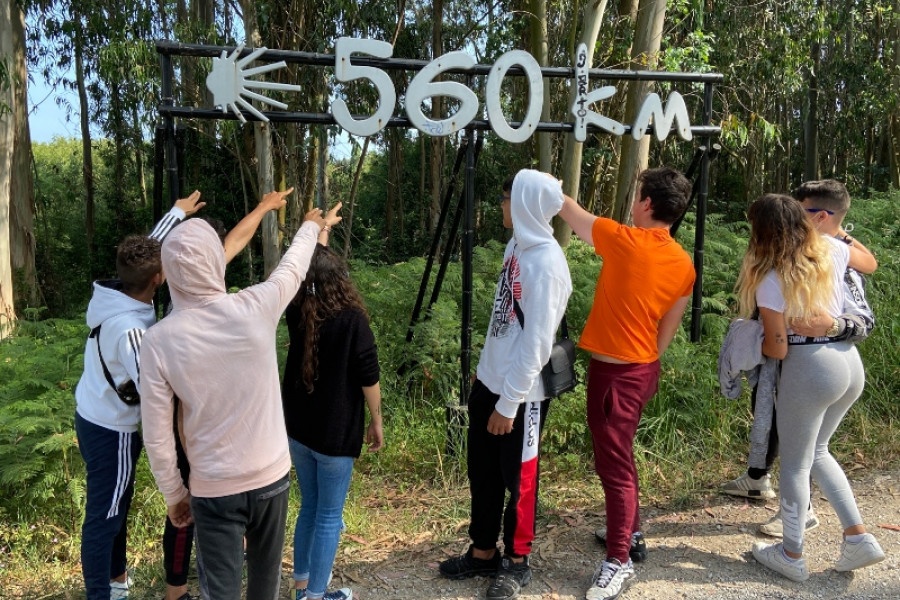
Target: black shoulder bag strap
[[95, 333], [521, 316]]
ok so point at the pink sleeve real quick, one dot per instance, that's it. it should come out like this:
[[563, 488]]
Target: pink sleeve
[[157, 415]]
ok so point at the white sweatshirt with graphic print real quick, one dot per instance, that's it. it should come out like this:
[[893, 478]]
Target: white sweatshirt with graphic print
[[535, 277]]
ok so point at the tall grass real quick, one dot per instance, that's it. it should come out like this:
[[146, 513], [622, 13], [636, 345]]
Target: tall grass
[[690, 438]]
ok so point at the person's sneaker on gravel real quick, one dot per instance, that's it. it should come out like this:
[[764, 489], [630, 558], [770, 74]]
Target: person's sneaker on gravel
[[863, 553], [300, 593], [773, 556], [511, 578], [747, 487], [341, 594], [775, 528], [119, 590], [610, 579], [466, 565], [638, 550]]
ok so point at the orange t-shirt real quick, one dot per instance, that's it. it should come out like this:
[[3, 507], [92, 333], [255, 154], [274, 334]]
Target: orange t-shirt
[[645, 271]]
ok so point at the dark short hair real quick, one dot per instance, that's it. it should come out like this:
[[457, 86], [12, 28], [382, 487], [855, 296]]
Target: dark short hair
[[830, 194], [137, 262], [507, 185], [669, 192]]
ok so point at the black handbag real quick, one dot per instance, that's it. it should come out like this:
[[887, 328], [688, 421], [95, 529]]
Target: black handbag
[[559, 372], [127, 390]]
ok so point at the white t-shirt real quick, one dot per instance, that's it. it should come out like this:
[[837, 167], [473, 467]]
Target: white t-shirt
[[769, 294]]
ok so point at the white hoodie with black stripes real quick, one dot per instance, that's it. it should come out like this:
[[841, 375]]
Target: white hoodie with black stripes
[[123, 321]]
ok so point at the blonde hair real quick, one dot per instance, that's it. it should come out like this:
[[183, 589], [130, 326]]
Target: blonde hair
[[782, 239]]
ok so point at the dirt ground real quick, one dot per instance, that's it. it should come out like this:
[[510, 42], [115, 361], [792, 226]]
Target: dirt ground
[[703, 552]]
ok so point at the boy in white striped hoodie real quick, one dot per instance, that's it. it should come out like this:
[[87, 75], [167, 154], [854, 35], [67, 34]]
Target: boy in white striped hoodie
[[107, 413]]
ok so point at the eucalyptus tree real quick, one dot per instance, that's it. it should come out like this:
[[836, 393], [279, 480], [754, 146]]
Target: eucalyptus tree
[[7, 143]]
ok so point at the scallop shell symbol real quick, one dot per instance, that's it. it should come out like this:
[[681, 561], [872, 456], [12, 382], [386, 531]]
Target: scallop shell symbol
[[229, 81]]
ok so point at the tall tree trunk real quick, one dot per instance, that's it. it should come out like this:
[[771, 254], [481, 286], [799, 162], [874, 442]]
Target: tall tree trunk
[[87, 157], [322, 170], [7, 145], [21, 216], [894, 120], [538, 27], [395, 150], [572, 152], [139, 154], [635, 154], [262, 138], [352, 199], [115, 116], [437, 109], [811, 133]]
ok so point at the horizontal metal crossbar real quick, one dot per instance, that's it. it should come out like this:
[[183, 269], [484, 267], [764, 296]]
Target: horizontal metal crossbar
[[408, 64], [186, 112]]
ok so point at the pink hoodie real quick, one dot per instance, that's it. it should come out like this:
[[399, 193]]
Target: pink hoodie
[[216, 352]]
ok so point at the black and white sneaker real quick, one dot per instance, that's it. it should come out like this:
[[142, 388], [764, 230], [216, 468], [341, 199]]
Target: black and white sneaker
[[638, 550], [610, 579], [511, 578], [466, 565]]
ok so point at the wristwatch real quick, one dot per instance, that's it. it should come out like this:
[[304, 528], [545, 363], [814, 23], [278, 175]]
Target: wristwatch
[[834, 329]]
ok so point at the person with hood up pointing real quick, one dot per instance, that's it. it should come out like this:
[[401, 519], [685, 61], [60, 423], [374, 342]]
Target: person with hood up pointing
[[217, 352], [507, 404]]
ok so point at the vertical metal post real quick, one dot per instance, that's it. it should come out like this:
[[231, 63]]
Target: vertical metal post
[[468, 244], [169, 123], [457, 415], [700, 235], [159, 159]]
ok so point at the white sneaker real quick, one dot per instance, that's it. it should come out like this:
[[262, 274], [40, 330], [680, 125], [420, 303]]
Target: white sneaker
[[610, 579], [773, 557], [774, 527], [748, 487], [119, 590], [861, 554]]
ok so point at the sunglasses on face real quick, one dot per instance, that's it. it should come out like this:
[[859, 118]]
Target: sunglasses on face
[[815, 210]]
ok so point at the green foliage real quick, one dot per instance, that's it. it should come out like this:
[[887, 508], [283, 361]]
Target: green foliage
[[39, 462]]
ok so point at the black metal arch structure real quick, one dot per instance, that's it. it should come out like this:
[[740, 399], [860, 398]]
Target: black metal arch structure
[[706, 132]]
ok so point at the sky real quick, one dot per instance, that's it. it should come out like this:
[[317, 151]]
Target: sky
[[46, 119]]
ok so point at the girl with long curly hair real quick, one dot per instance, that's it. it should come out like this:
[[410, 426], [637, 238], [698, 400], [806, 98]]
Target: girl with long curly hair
[[330, 374], [792, 273]]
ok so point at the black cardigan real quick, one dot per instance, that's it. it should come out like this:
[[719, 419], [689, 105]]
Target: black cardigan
[[331, 419]]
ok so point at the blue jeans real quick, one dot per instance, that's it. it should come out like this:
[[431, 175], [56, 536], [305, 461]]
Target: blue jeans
[[324, 482]]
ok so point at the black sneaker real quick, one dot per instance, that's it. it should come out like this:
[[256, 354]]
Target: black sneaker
[[638, 550], [511, 578], [466, 565]]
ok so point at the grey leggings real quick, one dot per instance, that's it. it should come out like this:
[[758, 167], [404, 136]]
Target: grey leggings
[[819, 383]]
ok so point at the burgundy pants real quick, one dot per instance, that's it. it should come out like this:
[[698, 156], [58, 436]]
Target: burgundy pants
[[616, 396]]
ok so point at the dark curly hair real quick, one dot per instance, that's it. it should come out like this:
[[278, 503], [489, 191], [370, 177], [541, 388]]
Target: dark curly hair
[[137, 262], [326, 290]]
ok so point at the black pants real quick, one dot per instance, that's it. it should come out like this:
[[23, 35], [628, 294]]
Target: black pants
[[222, 523], [499, 464]]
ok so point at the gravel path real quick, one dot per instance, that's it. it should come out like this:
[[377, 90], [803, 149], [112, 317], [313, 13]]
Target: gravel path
[[698, 553]]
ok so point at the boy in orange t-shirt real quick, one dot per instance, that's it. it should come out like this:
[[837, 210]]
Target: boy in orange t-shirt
[[642, 292]]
